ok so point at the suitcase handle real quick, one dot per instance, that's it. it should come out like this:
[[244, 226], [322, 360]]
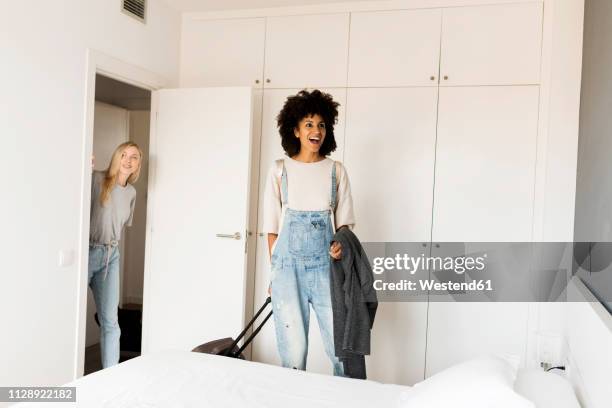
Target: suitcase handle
[[252, 336], [230, 350]]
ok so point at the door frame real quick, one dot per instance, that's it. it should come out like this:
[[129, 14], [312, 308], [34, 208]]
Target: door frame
[[98, 63]]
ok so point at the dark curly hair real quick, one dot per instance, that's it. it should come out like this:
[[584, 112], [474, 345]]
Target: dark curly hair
[[306, 104]]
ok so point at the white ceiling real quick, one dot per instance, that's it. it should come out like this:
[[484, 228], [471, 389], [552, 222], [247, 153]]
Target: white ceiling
[[209, 5]]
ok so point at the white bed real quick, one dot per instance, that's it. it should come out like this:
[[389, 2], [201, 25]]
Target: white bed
[[185, 379]]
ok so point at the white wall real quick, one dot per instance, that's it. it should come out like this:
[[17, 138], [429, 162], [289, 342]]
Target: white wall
[[557, 149], [590, 325], [590, 344], [42, 120]]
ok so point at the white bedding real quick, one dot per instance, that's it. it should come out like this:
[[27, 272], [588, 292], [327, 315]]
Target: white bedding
[[184, 379]]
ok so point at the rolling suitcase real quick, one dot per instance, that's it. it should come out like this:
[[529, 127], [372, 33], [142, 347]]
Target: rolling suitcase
[[228, 346]]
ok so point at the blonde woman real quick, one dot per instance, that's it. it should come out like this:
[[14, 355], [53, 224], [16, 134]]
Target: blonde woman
[[112, 207]]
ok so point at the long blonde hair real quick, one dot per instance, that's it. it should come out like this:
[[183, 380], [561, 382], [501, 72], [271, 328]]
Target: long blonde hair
[[113, 171]]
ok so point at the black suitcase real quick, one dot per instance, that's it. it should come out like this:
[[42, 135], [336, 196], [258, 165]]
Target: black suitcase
[[228, 346]]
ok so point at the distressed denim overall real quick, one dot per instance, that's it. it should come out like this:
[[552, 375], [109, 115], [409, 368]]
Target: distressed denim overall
[[300, 278]]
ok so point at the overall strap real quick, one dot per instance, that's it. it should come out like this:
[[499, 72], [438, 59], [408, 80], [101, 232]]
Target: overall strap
[[334, 187], [281, 172], [333, 196]]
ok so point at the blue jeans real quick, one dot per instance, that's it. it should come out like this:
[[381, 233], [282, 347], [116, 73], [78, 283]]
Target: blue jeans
[[300, 279], [104, 283]]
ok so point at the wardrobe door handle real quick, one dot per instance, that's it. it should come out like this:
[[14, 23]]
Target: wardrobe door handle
[[235, 235]]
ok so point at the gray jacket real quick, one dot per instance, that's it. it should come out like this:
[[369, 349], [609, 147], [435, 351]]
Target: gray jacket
[[353, 297]]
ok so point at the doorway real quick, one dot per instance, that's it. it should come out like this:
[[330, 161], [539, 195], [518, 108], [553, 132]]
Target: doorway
[[121, 114], [176, 281]]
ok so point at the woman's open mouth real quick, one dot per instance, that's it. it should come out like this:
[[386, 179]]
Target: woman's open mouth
[[315, 140]]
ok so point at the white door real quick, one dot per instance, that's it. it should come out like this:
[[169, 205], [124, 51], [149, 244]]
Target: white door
[[306, 51], [264, 345], [457, 332], [222, 52], [395, 48], [485, 175], [485, 164], [390, 155], [491, 45], [195, 279]]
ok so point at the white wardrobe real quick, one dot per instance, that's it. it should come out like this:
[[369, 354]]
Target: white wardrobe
[[438, 130]]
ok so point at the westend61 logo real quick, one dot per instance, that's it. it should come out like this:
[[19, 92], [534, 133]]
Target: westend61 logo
[[412, 264]]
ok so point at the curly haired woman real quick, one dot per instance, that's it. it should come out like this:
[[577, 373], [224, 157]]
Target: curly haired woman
[[307, 195]]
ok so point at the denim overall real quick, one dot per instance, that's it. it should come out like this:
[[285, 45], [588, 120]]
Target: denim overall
[[300, 278]]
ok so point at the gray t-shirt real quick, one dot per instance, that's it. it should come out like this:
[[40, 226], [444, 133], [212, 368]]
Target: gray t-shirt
[[107, 221]]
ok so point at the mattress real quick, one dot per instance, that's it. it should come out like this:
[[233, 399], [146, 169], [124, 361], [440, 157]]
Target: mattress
[[185, 379]]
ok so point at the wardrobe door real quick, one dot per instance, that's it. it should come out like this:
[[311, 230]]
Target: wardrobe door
[[485, 163], [389, 156], [484, 191], [222, 52], [458, 332], [264, 345], [395, 48], [306, 51], [491, 45]]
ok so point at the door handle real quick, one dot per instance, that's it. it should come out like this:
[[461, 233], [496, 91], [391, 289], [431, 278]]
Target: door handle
[[235, 235]]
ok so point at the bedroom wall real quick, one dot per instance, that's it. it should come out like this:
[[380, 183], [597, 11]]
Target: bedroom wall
[[593, 220], [555, 202], [43, 86], [591, 354], [590, 348]]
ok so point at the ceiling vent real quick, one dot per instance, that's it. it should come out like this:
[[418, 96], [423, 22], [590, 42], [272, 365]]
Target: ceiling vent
[[135, 8]]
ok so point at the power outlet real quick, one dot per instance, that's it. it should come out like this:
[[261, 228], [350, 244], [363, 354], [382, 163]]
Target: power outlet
[[550, 348]]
